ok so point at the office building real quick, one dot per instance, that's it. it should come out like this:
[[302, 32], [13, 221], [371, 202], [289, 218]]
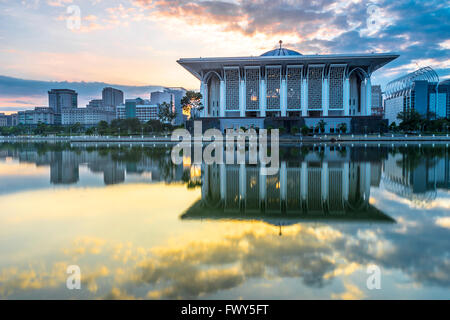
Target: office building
[[111, 98], [420, 91], [38, 115], [377, 101], [137, 108], [86, 116]]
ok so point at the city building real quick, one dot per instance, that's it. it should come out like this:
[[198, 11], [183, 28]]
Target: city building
[[420, 183], [96, 103], [137, 108], [38, 115], [178, 94], [419, 91], [59, 99], [377, 101], [88, 116], [159, 97], [111, 98], [286, 88], [13, 120], [3, 120]]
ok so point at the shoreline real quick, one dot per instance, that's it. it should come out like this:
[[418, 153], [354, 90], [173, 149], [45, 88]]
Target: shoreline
[[282, 139]]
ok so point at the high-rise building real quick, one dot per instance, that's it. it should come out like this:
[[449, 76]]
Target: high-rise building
[[377, 100], [420, 91], [3, 120], [96, 103], [88, 116], [62, 98], [137, 108], [38, 115], [111, 98], [178, 94]]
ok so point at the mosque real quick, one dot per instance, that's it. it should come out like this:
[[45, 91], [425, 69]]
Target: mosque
[[282, 87]]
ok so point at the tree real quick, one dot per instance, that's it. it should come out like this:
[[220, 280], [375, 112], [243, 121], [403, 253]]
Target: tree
[[166, 113], [103, 127], [154, 126], [342, 127], [411, 120], [192, 103], [393, 126], [321, 125], [305, 130]]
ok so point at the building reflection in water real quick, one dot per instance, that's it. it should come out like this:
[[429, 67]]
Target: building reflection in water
[[307, 190], [416, 179], [314, 181]]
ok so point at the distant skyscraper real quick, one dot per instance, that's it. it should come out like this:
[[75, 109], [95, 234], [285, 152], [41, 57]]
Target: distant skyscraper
[[420, 91], [3, 120], [377, 101], [96, 103], [111, 98], [62, 98], [178, 94]]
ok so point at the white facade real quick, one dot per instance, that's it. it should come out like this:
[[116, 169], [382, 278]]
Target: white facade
[[284, 83], [85, 116], [38, 115], [144, 112], [3, 120], [393, 107]]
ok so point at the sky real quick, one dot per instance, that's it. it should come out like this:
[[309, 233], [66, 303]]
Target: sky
[[136, 43]]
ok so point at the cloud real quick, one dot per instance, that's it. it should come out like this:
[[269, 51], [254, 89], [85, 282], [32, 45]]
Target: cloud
[[22, 93], [58, 3], [418, 30]]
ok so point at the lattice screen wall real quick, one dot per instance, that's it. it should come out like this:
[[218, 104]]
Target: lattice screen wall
[[336, 85], [273, 88], [315, 87], [252, 88], [232, 89], [294, 87]]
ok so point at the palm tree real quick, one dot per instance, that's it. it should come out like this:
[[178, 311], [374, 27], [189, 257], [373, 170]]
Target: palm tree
[[321, 125]]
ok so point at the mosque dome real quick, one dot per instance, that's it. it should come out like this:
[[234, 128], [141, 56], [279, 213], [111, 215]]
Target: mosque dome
[[281, 52]]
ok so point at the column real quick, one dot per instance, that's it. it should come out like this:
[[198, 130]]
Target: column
[[367, 181], [324, 180], [304, 97], [325, 101], [223, 182], [205, 181], [368, 97], [262, 98], [242, 183], [283, 97], [222, 99], [345, 181], [242, 98], [204, 92], [283, 181], [262, 186], [363, 98], [304, 181], [346, 103]]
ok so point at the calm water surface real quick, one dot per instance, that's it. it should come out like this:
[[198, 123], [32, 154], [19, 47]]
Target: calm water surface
[[140, 227]]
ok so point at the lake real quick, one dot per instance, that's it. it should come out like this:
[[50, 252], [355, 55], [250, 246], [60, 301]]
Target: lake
[[140, 227]]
